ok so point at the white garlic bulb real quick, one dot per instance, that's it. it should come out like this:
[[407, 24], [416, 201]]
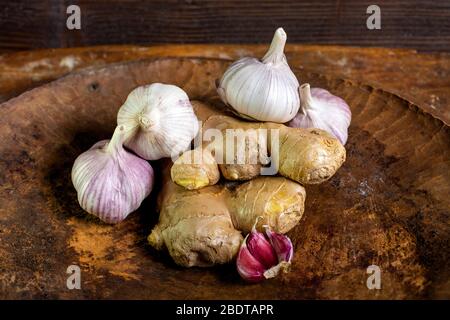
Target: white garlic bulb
[[161, 119], [111, 182], [265, 90], [320, 109]]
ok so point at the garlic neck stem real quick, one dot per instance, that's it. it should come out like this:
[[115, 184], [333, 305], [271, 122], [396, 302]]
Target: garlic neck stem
[[256, 223], [275, 53], [306, 100], [116, 142]]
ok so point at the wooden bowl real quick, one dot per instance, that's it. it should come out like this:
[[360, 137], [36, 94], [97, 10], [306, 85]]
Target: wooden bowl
[[387, 206]]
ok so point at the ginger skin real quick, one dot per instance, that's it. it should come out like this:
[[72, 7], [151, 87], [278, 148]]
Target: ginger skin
[[191, 175], [307, 156], [203, 227]]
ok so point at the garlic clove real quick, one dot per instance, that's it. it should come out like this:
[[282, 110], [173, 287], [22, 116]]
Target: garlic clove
[[261, 249], [162, 121], [281, 244], [284, 249], [265, 90], [264, 255], [320, 109], [248, 267], [111, 182]]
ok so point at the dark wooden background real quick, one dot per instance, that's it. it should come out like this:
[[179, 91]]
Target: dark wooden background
[[422, 25]]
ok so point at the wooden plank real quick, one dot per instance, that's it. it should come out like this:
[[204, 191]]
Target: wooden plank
[[423, 25]]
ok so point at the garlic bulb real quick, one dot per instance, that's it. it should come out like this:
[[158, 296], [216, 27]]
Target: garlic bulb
[[161, 120], [263, 256], [111, 182], [320, 109], [265, 90]]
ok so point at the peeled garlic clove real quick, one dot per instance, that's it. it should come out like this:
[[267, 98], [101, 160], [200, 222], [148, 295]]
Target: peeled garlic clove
[[320, 109], [264, 90], [263, 256], [111, 182], [162, 121]]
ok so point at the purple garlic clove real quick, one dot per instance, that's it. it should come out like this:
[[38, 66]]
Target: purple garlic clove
[[263, 256], [248, 266], [261, 249], [281, 244]]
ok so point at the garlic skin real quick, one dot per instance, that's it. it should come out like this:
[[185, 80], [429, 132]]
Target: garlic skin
[[161, 119], [281, 244], [322, 110], [111, 182], [264, 90], [264, 255]]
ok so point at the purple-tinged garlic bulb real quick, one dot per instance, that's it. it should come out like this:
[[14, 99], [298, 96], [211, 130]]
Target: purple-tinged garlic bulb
[[111, 182], [264, 255], [320, 109]]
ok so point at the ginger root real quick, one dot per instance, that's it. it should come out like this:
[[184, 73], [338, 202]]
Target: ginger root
[[279, 201], [308, 156], [203, 227], [198, 169]]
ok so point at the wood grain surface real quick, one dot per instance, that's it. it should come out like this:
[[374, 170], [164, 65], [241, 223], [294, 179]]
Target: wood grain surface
[[423, 79], [388, 205], [423, 25]]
